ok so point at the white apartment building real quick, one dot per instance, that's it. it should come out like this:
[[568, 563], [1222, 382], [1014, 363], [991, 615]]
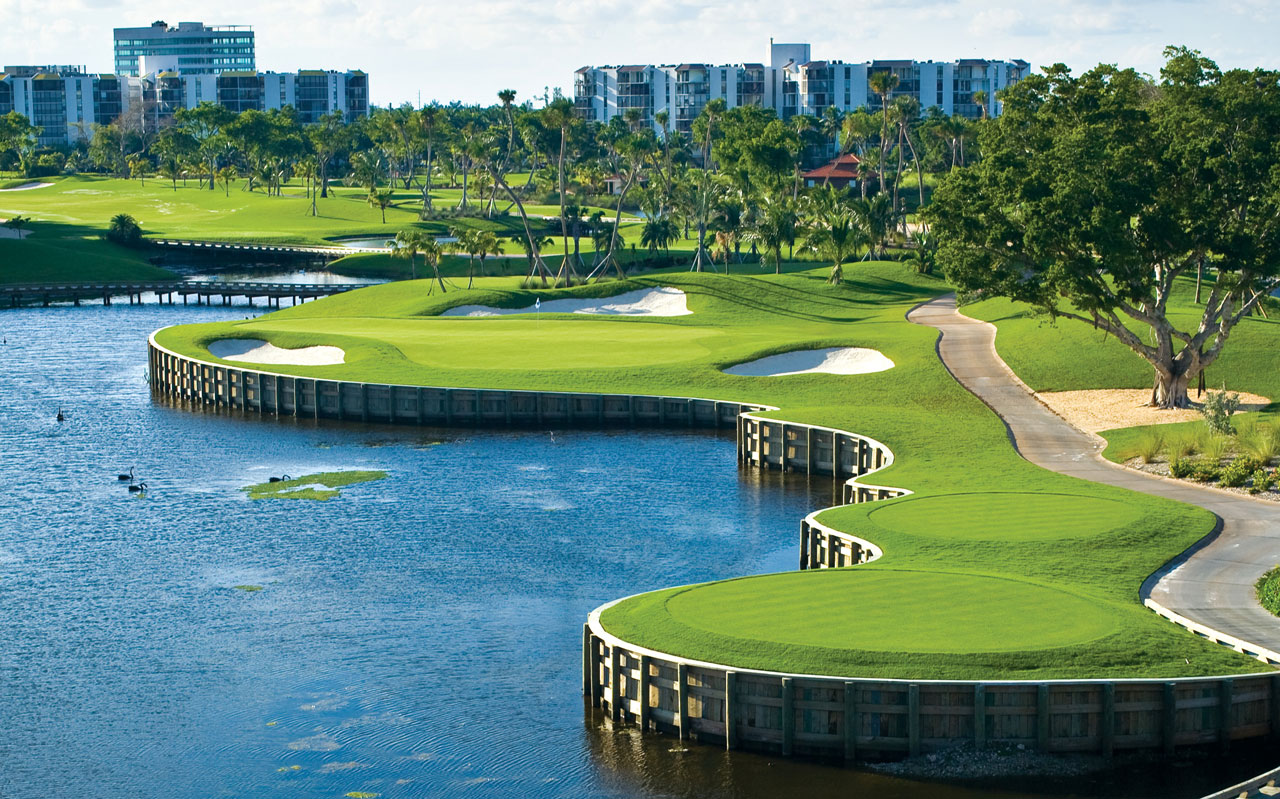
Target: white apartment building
[[791, 83], [191, 48], [66, 102]]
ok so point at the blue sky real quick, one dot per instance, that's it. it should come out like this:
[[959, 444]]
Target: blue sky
[[468, 49]]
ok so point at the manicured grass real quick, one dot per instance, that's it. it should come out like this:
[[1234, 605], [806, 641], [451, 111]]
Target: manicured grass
[[304, 487], [189, 212], [978, 516], [52, 251], [993, 569], [886, 610]]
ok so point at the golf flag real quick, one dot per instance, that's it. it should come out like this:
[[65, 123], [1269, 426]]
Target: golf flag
[[537, 304]]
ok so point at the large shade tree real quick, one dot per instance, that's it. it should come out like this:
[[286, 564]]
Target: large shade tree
[[1097, 194]]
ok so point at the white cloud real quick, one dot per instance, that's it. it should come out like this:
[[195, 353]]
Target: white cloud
[[452, 49]]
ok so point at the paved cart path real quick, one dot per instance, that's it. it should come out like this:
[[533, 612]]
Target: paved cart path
[[1213, 584]]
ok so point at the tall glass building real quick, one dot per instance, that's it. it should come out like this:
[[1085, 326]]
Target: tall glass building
[[191, 48]]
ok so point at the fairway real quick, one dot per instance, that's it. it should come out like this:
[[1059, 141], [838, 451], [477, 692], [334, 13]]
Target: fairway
[[999, 516], [496, 343], [992, 569], [888, 610]]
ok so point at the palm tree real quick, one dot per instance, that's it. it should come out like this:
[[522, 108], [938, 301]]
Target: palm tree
[[407, 244], [835, 237], [659, 232], [124, 229], [171, 171], [477, 244], [228, 176], [907, 112], [366, 171], [980, 99], [705, 196], [559, 116], [381, 200], [573, 215], [877, 217], [138, 169], [924, 256], [539, 241], [803, 125], [726, 243], [430, 121], [18, 222], [774, 225], [883, 84]]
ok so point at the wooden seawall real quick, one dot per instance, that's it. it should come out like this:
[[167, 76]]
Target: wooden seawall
[[787, 714], [843, 718]]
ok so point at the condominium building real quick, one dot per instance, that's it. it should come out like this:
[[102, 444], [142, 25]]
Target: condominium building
[[791, 83], [312, 92], [191, 48], [66, 101]]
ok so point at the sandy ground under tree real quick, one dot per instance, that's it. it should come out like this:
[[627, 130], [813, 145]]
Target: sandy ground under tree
[[1106, 409]]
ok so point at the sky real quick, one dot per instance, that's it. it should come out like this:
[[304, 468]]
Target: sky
[[469, 49]]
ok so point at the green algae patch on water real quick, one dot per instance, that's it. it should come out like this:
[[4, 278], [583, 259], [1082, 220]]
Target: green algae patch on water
[[320, 487], [247, 588]]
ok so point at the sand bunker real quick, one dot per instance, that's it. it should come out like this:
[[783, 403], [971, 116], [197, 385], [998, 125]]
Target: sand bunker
[[834, 361], [1106, 409], [29, 187], [642, 302], [250, 350]]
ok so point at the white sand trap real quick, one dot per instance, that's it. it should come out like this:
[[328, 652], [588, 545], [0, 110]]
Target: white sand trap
[[834, 361], [642, 302], [29, 187], [252, 350]]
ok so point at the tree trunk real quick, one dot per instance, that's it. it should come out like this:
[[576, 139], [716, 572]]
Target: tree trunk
[[538, 266], [426, 187], [1170, 390], [566, 268], [1199, 276]]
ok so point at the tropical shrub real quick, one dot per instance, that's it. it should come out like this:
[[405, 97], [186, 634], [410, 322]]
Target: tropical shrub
[[124, 230], [1181, 468], [1217, 410], [1262, 481], [1205, 471], [1268, 588], [1236, 473]]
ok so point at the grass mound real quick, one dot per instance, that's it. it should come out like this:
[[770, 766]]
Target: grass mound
[[1268, 587], [322, 486], [993, 569]]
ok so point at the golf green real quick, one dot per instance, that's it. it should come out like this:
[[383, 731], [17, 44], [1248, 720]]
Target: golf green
[[1001, 516], [886, 610], [992, 569]]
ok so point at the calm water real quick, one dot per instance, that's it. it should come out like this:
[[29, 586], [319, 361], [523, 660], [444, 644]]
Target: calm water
[[418, 636]]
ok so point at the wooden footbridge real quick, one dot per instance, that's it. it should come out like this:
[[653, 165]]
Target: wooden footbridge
[[204, 292]]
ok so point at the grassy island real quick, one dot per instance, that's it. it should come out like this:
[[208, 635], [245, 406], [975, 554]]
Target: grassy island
[[321, 487], [992, 569]]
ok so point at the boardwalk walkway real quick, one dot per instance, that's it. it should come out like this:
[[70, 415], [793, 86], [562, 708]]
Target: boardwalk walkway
[[203, 291], [1213, 583]]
